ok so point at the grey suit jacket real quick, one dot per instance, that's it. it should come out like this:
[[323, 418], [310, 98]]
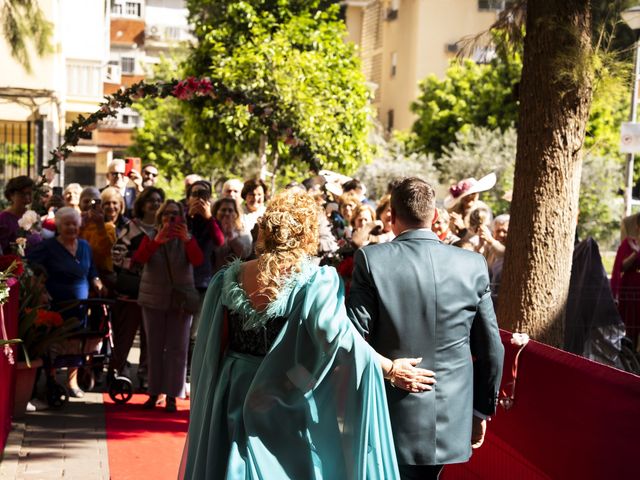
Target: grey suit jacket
[[416, 297]]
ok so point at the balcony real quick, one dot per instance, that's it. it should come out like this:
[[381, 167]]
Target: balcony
[[163, 36], [127, 119]]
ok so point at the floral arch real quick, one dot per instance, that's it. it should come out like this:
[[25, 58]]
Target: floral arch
[[193, 90]]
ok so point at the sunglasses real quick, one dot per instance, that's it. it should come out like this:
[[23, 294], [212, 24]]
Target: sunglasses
[[150, 174], [117, 174]]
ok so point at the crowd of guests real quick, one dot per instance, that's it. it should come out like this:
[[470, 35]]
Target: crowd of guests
[[155, 256]]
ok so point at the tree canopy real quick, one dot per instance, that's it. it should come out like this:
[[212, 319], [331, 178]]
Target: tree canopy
[[289, 53], [160, 139], [474, 99], [470, 94]]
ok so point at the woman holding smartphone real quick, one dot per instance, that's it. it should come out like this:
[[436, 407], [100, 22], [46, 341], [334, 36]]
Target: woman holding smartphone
[[168, 258]]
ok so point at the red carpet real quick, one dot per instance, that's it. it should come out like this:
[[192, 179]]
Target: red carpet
[[143, 443]]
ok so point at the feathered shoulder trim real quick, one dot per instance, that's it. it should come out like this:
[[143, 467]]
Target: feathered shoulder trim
[[235, 298]]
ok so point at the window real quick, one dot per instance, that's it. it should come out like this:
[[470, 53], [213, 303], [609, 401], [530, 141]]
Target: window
[[128, 65], [172, 33], [84, 79], [390, 121], [394, 64], [116, 8], [127, 118], [132, 8]]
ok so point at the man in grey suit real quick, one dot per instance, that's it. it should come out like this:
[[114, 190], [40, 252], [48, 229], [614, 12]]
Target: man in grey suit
[[416, 297]]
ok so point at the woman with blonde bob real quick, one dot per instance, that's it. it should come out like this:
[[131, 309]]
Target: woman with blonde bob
[[283, 386]]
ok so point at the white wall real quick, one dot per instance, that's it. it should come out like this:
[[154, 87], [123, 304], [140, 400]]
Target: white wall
[[82, 25], [12, 74], [166, 12], [45, 75]]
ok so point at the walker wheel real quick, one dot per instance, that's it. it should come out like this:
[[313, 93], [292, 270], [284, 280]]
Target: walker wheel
[[57, 395], [121, 390], [86, 379]]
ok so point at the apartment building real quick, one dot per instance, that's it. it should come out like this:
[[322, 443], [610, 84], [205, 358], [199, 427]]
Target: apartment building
[[403, 41], [140, 31], [84, 31], [98, 46], [34, 106]]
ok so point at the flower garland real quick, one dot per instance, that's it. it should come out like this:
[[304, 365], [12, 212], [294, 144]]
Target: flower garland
[[193, 90], [11, 268]]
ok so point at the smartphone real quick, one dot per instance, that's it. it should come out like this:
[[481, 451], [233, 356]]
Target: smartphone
[[132, 163], [95, 204], [202, 194]]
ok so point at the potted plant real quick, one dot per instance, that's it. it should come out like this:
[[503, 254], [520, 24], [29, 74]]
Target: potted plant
[[39, 328]]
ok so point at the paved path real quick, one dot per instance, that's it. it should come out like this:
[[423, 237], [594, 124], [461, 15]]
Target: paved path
[[59, 444], [68, 443]]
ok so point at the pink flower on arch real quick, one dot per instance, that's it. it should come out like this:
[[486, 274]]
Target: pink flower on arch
[[205, 87], [193, 84], [185, 89], [180, 91]]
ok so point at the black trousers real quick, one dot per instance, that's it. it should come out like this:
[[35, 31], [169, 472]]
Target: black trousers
[[420, 472]]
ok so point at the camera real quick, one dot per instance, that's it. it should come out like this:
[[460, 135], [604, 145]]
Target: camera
[[95, 203]]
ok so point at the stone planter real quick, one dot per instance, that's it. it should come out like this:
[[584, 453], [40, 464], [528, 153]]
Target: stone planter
[[25, 379]]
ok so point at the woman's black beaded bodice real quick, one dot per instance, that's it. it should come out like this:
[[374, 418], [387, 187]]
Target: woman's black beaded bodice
[[253, 342]]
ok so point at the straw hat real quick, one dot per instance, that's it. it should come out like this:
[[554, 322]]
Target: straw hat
[[468, 186]]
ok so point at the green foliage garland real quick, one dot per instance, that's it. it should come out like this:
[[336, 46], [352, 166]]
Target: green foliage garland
[[195, 91]]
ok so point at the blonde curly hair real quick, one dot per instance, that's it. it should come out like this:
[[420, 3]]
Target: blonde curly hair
[[288, 233]]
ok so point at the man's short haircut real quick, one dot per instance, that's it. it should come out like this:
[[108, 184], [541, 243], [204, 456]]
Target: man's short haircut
[[232, 183], [501, 219], [413, 201], [191, 178], [116, 162], [351, 185], [149, 165], [392, 184]]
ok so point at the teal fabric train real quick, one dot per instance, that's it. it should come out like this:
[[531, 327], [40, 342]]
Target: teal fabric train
[[313, 408]]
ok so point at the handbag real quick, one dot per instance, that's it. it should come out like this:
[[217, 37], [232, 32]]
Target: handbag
[[183, 297], [127, 283]]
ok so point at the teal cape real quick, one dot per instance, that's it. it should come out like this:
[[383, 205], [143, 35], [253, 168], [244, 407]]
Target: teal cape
[[313, 408]]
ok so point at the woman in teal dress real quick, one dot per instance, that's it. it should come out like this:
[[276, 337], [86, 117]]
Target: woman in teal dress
[[283, 386]]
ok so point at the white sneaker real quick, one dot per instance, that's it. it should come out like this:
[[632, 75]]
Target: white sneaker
[[36, 405]]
